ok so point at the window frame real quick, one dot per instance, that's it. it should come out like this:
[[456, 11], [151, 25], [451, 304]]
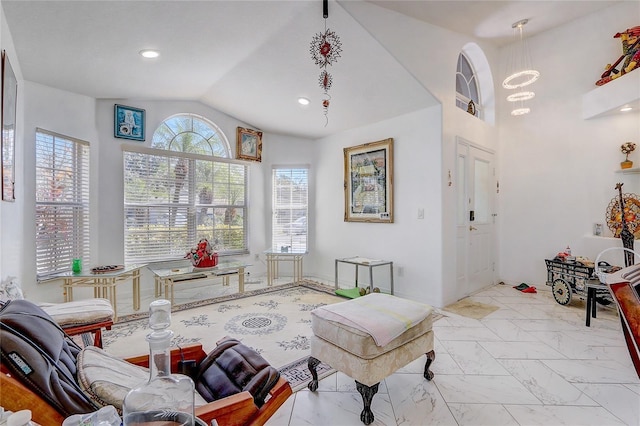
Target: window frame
[[462, 100], [286, 235], [70, 233], [190, 205]]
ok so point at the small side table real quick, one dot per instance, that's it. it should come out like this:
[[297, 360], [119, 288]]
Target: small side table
[[274, 257], [367, 263]]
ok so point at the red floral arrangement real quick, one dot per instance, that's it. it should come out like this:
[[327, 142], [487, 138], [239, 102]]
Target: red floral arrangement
[[203, 256]]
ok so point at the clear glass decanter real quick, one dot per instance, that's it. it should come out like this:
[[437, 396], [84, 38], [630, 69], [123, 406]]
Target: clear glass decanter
[[166, 399]]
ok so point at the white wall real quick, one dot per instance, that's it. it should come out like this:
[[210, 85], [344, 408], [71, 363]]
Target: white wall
[[11, 224], [430, 54], [556, 172], [413, 245], [559, 171]]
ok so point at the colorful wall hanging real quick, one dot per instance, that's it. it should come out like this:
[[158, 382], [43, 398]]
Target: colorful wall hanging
[[325, 50]]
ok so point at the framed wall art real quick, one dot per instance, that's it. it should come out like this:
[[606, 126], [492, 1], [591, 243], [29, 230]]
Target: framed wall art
[[368, 182], [248, 144], [128, 122], [9, 97]]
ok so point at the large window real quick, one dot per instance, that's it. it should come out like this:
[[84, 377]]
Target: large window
[[289, 227], [181, 190], [467, 86], [62, 202]]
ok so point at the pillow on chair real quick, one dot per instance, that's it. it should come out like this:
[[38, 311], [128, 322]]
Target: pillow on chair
[[232, 368], [107, 379]]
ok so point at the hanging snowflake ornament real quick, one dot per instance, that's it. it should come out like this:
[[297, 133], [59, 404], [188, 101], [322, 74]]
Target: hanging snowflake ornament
[[325, 48], [325, 80]]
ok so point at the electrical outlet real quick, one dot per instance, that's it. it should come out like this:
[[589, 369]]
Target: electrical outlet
[[420, 213]]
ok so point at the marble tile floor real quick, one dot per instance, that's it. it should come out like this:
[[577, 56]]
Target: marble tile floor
[[531, 362]]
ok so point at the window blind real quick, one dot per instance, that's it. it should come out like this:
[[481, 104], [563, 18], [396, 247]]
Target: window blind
[[172, 200], [62, 203], [289, 226]]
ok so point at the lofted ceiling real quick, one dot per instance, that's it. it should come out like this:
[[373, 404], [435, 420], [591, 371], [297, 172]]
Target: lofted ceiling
[[249, 59]]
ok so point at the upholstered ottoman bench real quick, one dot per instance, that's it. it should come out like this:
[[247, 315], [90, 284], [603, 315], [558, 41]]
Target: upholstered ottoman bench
[[83, 317], [369, 338]]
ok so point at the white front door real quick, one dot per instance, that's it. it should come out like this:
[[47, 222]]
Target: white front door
[[476, 188]]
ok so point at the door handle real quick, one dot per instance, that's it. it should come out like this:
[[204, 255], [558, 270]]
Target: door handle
[[472, 228]]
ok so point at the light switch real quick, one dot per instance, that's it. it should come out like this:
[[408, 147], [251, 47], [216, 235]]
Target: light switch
[[420, 213]]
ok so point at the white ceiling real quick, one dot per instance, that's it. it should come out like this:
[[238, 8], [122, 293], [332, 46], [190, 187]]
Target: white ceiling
[[249, 59]]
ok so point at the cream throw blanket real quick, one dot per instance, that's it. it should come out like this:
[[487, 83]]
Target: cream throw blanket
[[382, 316]]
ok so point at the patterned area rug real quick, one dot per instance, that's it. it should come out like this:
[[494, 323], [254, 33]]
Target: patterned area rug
[[276, 322]]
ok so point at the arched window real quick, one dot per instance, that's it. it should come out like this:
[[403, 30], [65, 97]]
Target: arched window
[[191, 133], [467, 87], [185, 188]]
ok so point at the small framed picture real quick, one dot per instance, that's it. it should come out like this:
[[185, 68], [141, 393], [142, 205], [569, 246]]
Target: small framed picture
[[249, 144], [128, 122]]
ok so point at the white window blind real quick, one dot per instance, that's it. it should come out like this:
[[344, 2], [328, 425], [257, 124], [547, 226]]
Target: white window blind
[[62, 202], [289, 226], [173, 199]]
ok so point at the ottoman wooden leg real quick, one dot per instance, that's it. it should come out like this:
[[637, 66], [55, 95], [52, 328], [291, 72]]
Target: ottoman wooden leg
[[312, 363], [367, 393], [431, 356]]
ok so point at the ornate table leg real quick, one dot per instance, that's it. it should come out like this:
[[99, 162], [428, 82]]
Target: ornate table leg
[[367, 393], [312, 363], [431, 356]]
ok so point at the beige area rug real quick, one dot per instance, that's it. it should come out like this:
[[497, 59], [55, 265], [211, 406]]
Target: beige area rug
[[469, 308], [275, 321]]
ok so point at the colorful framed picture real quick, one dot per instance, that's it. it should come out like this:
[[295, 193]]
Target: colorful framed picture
[[368, 182], [8, 156], [128, 122], [248, 144]]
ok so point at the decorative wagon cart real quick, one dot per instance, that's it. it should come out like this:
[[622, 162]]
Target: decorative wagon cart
[[567, 278]]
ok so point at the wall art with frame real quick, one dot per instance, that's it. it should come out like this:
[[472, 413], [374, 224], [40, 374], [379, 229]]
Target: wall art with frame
[[248, 144], [368, 182], [128, 122], [9, 98]]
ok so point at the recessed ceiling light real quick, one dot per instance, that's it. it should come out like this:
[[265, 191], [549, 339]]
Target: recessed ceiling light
[[303, 101], [625, 109], [148, 53]]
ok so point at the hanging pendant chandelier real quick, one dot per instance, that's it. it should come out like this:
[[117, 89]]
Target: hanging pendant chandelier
[[521, 73], [325, 50]]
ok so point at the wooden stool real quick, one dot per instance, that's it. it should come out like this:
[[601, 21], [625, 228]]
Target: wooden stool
[[368, 339]]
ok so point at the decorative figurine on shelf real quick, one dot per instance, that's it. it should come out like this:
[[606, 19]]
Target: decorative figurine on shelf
[[203, 256], [630, 54], [627, 148]]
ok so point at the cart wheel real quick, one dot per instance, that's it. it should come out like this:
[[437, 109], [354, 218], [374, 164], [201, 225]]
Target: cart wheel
[[561, 292]]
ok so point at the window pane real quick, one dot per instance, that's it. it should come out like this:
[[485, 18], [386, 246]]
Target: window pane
[[473, 91], [290, 208], [62, 203]]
